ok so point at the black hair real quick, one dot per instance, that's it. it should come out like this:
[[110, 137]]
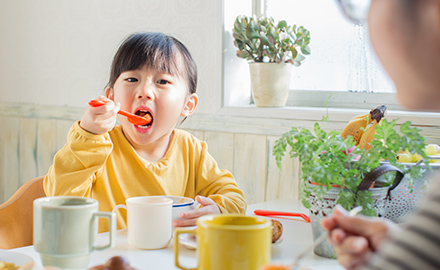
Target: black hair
[[155, 50]]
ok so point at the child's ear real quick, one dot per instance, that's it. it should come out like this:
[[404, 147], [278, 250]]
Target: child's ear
[[190, 105], [109, 92]]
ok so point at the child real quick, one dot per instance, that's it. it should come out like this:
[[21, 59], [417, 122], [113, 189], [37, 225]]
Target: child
[[153, 74]]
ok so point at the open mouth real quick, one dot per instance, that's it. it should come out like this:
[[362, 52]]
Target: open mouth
[[147, 115]]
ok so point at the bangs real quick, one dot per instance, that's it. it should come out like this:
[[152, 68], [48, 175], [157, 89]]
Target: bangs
[[153, 50]]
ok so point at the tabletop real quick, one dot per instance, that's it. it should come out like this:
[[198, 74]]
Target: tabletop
[[297, 236]]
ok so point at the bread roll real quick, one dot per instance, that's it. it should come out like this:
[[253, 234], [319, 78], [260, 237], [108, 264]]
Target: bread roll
[[277, 230]]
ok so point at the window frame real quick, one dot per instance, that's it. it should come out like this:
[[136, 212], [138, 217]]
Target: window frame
[[303, 105]]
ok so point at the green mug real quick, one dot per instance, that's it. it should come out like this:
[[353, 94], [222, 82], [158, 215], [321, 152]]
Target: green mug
[[230, 241], [66, 228]]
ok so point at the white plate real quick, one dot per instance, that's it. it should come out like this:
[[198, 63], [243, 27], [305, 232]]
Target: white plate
[[190, 242], [19, 259]]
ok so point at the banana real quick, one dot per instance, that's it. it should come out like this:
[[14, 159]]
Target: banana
[[359, 123], [355, 125], [368, 135]]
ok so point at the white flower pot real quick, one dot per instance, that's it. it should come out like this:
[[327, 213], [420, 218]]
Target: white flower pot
[[270, 83]]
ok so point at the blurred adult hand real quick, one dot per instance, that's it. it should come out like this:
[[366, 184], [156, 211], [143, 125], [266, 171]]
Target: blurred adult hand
[[355, 238]]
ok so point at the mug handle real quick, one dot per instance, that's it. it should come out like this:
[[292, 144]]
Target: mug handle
[[178, 231], [114, 211], [112, 232]]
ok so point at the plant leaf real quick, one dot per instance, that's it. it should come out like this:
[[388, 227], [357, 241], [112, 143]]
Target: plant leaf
[[305, 50]]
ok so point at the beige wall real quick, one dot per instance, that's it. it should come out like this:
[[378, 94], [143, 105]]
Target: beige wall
[[58, 52]]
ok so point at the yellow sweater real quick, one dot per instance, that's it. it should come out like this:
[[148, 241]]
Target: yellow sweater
[[107, 168]]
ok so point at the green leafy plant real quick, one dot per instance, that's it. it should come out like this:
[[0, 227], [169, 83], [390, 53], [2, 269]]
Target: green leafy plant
[[260, 39], [328, 159]]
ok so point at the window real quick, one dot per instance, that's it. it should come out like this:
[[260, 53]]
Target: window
[[342, 62]]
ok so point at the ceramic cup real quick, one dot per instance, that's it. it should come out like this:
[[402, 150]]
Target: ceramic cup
[[148, 221], [180, 204], [65, 230], [230, 241]]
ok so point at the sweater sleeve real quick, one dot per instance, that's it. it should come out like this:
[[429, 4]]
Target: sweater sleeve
[[77, 164], [219, 185]]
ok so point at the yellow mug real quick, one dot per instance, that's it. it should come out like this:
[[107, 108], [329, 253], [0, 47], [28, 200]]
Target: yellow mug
[[230, 241]]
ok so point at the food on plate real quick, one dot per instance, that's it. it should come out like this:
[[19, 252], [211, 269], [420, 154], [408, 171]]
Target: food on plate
[[277, 230], [432, 150], [404, 157], [114, 263], [7, 266]]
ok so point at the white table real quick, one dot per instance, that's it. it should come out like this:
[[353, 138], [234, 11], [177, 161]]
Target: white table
[[297, 235]]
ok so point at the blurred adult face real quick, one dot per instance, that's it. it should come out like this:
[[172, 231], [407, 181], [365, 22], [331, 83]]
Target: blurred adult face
[[406, 37]]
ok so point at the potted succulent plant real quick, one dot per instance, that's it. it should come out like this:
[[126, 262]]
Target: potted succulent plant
[[271, 49], [333, 168]]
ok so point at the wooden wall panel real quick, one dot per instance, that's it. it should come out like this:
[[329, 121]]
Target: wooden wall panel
[[9, 165], [250, 166], [62, 128], [46, 144], [199, 134], [221, 147], [281, 184], [27, 148]]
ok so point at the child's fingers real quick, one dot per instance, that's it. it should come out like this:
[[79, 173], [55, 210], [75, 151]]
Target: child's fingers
[[185, 222], [204, 201]]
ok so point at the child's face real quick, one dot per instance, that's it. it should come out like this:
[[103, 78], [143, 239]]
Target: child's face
[[166, 97]]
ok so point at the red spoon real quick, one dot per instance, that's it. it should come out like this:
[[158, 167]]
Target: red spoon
[[132, 118], [280, 213]]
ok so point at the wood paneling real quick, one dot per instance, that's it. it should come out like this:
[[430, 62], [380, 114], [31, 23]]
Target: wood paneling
[[250, 165], [46, 144], [281, 184], [27, 149], [9, 164], [30, 135], [221, 147]]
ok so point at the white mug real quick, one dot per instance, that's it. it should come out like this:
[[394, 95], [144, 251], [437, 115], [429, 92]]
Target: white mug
[[148, 221], [65, 230]]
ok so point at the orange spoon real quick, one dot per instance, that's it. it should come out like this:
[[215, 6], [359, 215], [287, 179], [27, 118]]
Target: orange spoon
[[132, 118], [281, 213]]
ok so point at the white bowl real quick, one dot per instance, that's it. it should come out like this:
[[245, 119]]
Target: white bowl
[[181, 204]]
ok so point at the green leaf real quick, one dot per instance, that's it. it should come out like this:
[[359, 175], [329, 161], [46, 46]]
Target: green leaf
[[305, 50], [239, 44], [250, 33], [281, 24], [242, 54], [299, 58], [294, 52], [264, 39]]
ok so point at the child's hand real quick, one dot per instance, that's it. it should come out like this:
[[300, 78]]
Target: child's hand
[[189, 218], [102, 119]]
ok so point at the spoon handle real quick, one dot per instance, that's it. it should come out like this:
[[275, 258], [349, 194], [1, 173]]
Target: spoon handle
[[132, 118], [281, 213]]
